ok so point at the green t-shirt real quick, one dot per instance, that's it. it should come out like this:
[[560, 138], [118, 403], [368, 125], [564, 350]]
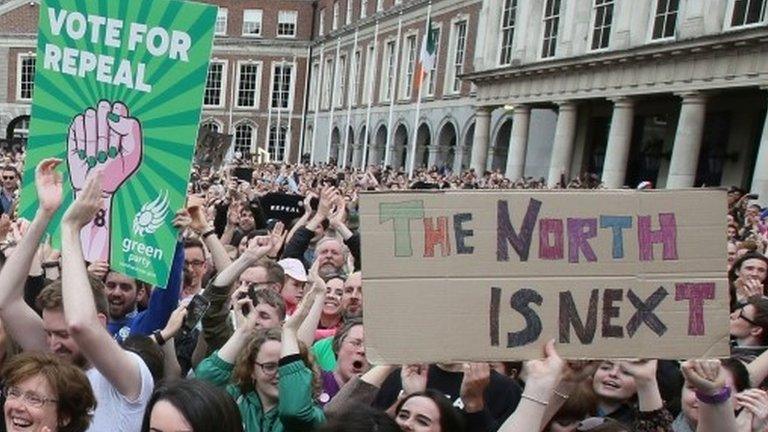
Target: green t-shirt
[[324, 355]]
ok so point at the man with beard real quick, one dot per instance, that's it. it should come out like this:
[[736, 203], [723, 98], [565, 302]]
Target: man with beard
[[331, 251], [73, 325], [352, 299], [123, 294]]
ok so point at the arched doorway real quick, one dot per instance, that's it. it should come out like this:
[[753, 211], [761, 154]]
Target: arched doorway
[[399, 156], [335, 142], [501, 146], [447, 141], [349, 146], [423, 141], [365, 149], [381, 143], [466, 155]]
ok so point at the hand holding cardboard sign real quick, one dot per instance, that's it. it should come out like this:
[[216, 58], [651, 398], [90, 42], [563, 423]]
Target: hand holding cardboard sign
[[477, 376], [414, 378]]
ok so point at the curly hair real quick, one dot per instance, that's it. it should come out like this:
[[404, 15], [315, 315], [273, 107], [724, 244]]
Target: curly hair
[[75, 400], [241, 374]]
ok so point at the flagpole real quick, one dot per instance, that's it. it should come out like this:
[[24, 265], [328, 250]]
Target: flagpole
[[333, 102], [393, 93], [279, 110], [269, 110], [288, 136], [353, 69], [304, 107], [319, 90], [412, 162], [366, 143]]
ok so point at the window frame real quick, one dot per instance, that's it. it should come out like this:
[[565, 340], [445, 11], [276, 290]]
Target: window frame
[[339, 87], [295, 15], [544, 19], [652, 22], [252, 147], [291, 86], [363, 8], [335, 16], [222, 12], [257, 91], [405, 91], [593, 22], [502, 28], [20, 57], [260, 13], [223, 89], [431, 77], [728, 24], [450, 78], [387, 70], [279, 129]]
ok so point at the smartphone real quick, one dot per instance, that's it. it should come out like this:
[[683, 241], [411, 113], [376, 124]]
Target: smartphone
[[195, 310], [752, 196]]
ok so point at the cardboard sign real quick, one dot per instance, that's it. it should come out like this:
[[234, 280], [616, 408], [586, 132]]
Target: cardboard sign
[[491, 276], [285, 207], [211, 147], [119, 87]]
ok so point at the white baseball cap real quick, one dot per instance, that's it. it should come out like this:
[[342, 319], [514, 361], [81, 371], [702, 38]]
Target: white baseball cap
[[294, 268]]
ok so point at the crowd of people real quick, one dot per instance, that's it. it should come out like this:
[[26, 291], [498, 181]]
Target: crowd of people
[[261, 325]]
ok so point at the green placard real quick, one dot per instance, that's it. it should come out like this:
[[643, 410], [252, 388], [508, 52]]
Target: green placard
[[119, 87]]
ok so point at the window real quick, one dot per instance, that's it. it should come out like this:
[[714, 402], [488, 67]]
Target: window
[[601, 27], [252, 22], [327, 82], [244, 139], [215, 83], [281, 85], [25, 78], [248, 79], [551, 23], [397, 2], [354, 78], [369, 73], [432, 77], [277, 136], [747, 12], [457, 60], [409, 55], [321, 24], [379, 5], [665, 19], [221, 22], [508, 17], [211, 125], [339, 87], [388, 71], [335, 22], [348, 15], [363, 8], [286, 23], [313, 86]]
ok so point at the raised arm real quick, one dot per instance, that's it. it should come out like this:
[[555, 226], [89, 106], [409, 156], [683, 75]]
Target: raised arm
[[22, 323], [306, 332], [83, 322], [715, 401], [258, 248], [200, 225]]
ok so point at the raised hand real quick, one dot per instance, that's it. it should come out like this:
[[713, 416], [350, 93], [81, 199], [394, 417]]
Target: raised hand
[[258, 247], [277, 236], [704, 375], [641, 370], [477, 376], [49, 185], [754, 402], [546, 371], [414, 378], [87, 204], [107, 137], [98, 269]]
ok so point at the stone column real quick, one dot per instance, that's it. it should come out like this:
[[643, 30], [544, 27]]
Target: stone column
[[619, 141], [562, 150], [685, 153], [518, 142], [480, 143], [760, 176], [434, 152], [357, 154]]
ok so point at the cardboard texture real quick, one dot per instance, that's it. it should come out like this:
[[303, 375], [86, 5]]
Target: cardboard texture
[[485, 275]]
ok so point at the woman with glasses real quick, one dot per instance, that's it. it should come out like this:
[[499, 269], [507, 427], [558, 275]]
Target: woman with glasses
[[43, 394], [269, 374]]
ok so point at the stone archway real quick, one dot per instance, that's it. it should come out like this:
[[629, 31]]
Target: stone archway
[[379, 146], [400, 150], [423, 142], [447, 140], [335, 144], [501, 146]]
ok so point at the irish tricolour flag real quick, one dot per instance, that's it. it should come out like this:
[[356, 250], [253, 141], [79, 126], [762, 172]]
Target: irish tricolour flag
[[426, 58]]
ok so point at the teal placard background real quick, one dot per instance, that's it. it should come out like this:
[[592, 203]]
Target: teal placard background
[[169, 116]]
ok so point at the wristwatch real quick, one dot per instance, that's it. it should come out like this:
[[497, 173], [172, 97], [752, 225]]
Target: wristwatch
[[714, 399], [158, 337]]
